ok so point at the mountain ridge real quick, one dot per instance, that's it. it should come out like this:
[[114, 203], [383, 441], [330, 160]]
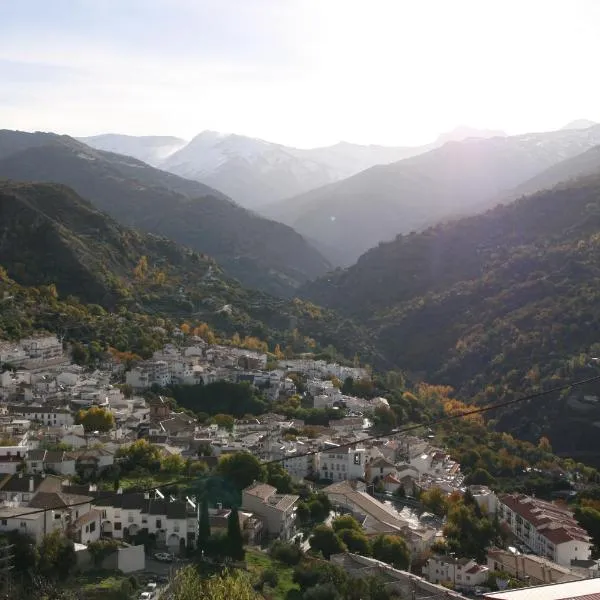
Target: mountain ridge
[[457, 179], [259, 252]]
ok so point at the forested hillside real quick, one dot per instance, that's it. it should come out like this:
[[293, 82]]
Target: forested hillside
[[261, 253], [52, 238], [493, 305]]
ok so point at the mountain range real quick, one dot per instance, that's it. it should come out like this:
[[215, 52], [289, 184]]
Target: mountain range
[[261, 253], [256, 173], [346, 218]]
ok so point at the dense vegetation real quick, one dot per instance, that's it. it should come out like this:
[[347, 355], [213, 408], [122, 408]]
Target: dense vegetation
[[54, 240], [261, 253], [493, 305]]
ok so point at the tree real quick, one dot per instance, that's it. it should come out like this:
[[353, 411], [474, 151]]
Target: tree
[[224, 421], [435, 500], [356, 541], [589, 519], [140, 454], [203, 526], [289, 554], [479, 477], [544, 445], [235, 541], [279, 478], [391, 549], [173, 464], [384, 419], [345, 522], [57, 556], [325, 541], [188, 585], [241, 469], [96, 419]]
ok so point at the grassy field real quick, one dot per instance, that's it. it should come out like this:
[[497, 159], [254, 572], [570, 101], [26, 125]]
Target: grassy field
[[258, 562]]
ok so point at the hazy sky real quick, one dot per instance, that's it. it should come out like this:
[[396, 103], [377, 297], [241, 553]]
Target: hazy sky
[[299, 72]]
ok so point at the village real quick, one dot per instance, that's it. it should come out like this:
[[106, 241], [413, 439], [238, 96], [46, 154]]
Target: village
[[52, 466]]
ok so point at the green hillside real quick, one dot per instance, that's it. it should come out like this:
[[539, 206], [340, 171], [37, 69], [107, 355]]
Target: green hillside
[[494, 305]]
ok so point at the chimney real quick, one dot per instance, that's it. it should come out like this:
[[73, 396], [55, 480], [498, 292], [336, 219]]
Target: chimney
[[31, 484]]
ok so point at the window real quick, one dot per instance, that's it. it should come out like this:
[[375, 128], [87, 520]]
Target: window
[[357, 458], [175, 527], [104, 514], [144, 520], [117, 526], [4, 522], [92, 526], [158, 524], [57, 516], [87, 528], [23, 525]]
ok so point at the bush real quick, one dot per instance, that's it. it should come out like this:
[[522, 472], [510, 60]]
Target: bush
[[288, 554]]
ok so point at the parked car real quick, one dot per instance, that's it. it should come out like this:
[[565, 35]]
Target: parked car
[[145, 596], [163, 557]]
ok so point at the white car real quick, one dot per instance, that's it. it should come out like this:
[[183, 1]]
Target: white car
[[163, 557], [145, 596]]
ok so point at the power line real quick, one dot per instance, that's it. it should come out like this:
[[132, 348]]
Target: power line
[[408, 429]]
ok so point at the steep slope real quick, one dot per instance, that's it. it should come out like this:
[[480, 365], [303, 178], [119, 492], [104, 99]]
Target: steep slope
[[261, 253], [586, 163], [151, 149], [457, 179], [50, 235], [493, 305], [251, 171]]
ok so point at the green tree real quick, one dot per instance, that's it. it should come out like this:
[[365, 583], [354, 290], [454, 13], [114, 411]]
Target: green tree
[[479, 477], [324, 540], [140, 454], [203, 526], [345, 522], [95, 419], [189, 585], [241, 469], [384, 418], [57, 556], [355, 540], [435, 500], [589, 519], [224, 421], [235, 541], [279, 478], [173, 464], [289, 554], [391, 549]]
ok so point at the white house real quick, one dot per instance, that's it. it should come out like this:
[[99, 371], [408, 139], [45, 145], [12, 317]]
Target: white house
[[28, 521], [277, 511], [174, 523], [462, 573], [55, 417], [547, 529], [339, 464]]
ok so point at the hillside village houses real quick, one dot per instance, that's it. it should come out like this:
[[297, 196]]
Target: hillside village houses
[[42, 391]]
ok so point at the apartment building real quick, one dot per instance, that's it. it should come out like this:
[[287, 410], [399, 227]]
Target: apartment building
[[340, 464], [277, 511], [545, 528]]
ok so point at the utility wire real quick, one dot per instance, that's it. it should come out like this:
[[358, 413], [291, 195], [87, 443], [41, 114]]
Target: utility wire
[[393, 432]]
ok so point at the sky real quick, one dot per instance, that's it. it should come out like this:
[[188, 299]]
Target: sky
[[299, 72]]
